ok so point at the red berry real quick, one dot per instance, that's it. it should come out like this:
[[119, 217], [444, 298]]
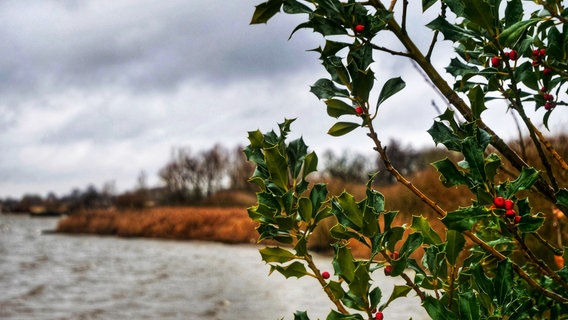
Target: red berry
[[379, 316], [543, 89], [548, 97], [394, 255], [513, 55], [547, 71], [510, 213], [359, 110], [325, 275], [495, 61], [542, 53], [359, 28], [509, 204], [517, 219], [388, 270], [374, 310], [549, 105], [499, 202], [536, 52], [535, 63]]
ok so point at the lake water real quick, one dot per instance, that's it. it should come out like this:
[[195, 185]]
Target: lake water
[[53, 276]]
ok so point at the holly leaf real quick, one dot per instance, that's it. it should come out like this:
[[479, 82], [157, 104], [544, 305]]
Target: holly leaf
[[264, 11], [342, 128], [391, 87]]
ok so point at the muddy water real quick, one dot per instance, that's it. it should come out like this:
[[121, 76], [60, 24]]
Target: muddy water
[[88, 277]]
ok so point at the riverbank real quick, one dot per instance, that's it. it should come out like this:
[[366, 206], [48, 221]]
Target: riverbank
[[226, 225], [216, 224]]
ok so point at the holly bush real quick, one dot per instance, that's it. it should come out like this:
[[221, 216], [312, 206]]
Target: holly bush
[[480, 267]]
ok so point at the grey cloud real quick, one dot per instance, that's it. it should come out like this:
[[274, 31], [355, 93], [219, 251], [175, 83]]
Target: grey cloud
[[141, 45]]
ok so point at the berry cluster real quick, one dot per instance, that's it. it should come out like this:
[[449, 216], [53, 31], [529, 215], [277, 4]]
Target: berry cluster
[[507, 55], [509, 206], [538, 56], [549, 98]]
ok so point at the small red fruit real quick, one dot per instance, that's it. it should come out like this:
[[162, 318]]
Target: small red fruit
[[543, 89], [379, 316], [548, 97], [394, 255], [536, 52], [547, 72], [495, 61], [542, 53], [499, 202], [509, 204], [359, 110], [388, 270], [325, 275], [359, 28], [549, 105], [510, 213], [535, 63], [513, 55], [517, 219]]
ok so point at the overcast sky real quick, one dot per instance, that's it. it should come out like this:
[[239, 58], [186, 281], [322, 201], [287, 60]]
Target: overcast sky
[[93, 91]]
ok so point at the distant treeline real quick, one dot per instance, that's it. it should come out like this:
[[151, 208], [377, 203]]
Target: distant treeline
[[191, 178], [195, 178]]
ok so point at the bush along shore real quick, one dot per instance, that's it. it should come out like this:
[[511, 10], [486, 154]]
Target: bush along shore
[[227, 225]]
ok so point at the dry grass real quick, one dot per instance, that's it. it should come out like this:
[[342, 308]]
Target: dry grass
[[228, 225]]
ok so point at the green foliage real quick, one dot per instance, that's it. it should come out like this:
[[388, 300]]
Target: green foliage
[[479, 266]]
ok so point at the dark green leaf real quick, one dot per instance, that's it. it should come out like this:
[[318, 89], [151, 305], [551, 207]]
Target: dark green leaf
[[397, 292], [295, 269], [342, 128], [421, 224], [305, 209], [375, 297], [454, 246], [326, 89], [469, 308], [334, 315], [427, 4], [347, 211], [277, 166], [413, 242], [562, 200], [444, 135], [513, 12], [437, 310], [301, 315], [363, 82], [481, 13], [391, 87], [464, 218], [473, 154], [510, 35], [264, 11], [450, 31], [457, 68], [276, 254], [343, 263], [318, 195], [477, 101], [530, 224], [337, 108], [295, 7], [525, 181], [450, 175], [503, 281], [310, 163]]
